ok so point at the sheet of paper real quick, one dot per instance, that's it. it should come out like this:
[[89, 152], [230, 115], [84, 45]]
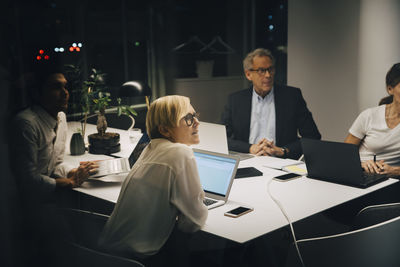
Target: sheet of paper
[[112, 166], [111, 178], [297, 168], [276, 163]]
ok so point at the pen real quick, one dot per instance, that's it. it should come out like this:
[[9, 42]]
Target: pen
[[380, 168]]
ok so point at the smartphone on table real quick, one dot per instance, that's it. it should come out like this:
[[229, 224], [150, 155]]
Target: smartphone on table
[[239, 211], [287, 177]]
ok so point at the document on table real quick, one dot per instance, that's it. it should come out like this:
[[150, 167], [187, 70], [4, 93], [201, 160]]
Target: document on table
[[112, 178], [112, 166], [276, 163], [287, 165], [300, 169]]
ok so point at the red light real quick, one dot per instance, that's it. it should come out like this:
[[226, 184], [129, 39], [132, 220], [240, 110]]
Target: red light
[[41, 51], [46, 57], [38, 57], [77, 49], [71, 49]]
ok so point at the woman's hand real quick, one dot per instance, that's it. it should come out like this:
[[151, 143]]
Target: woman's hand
[[391, 171], [371, 166]]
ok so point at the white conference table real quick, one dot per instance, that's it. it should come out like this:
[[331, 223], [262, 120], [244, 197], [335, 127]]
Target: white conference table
[[301, 197]]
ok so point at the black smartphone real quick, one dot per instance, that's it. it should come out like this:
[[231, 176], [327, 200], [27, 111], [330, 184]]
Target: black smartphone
[[247, 172], [238, 212], [287, 177]]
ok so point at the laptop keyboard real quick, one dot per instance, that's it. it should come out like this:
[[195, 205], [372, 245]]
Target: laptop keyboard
[[209, 202], [371, 177]]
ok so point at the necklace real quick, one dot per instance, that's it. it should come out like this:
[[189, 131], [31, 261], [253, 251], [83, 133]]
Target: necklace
[[388, 111], [391, 119]]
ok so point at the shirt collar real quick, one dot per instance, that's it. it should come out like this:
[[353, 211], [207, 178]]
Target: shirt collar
[[45, 116], [268, 97]]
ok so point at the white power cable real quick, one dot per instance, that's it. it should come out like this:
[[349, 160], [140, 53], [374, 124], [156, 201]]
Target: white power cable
[[288, 219]]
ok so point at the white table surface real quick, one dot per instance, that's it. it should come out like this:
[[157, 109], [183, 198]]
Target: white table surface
[[301, 198]]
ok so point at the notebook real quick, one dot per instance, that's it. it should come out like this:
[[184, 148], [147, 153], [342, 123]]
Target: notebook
[[217, 172], [337, 163], [121, 165], [212, 138], [240, 155]]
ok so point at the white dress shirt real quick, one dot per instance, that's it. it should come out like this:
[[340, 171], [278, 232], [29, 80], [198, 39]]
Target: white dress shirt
[[163, 188], [262, 124], [377, 138], [38, 151]]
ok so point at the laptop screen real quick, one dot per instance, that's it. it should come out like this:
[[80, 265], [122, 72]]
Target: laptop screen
[[215, 172], [212, 138], [142, 143]]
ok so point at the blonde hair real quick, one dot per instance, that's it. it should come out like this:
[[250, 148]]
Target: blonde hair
[[165, 111]]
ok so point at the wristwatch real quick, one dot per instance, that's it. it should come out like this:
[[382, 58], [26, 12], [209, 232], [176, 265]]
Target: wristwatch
[[285, 152]]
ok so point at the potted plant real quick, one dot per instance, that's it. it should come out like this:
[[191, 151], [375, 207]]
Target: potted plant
[[94, 101]]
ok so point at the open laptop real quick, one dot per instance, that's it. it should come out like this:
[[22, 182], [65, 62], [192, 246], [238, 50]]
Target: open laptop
[[337, 163], [217, 172], [142, 143], [212, 138]]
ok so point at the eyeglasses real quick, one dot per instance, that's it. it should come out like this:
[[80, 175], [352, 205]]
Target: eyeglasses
[[189, 118], [262, 71]]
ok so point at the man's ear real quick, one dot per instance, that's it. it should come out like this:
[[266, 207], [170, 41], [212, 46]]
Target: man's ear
[[248, 75], [164, 131]]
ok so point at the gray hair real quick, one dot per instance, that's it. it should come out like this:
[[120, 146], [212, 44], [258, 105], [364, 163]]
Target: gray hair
[[259, 52]]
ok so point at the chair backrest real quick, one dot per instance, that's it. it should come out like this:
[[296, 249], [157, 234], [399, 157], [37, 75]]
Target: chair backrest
[[85, 226], [80, 256], [376, 214], [376, 245]]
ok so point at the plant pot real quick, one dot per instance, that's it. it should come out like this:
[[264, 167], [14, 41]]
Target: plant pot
[[204, 68], [104, 144], [77, 145]]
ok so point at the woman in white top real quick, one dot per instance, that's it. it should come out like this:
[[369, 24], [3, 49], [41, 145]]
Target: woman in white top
[[163, 188], [377, 130]]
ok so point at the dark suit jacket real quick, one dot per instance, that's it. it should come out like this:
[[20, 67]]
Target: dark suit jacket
[[292, 118]]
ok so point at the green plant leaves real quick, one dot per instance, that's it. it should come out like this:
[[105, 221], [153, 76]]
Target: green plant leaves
[[92, 92]]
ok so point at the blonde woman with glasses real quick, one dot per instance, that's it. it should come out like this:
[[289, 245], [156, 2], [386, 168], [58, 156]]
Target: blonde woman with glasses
[[162, 193]]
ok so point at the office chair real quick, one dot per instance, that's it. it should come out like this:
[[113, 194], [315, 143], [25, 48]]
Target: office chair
[[373, 246], [85, 228], [81, 256], [375, 214]]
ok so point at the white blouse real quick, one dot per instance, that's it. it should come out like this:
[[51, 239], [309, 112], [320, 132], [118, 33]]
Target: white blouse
[[377, 138], [163, 188]]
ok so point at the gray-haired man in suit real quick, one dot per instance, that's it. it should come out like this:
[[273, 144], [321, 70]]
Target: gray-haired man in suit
[[267, 119]]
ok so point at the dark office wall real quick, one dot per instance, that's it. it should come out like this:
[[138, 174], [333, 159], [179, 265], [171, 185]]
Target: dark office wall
[[9, 212]]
